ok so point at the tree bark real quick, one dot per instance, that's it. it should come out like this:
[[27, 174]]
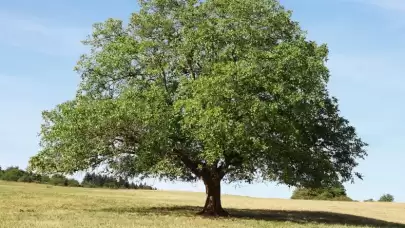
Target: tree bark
[[213, 206]]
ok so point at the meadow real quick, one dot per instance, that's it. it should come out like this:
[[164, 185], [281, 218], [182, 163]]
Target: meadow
[[42, 206]]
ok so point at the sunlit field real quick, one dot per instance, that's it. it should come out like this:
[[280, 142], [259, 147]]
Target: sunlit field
[[42, 206]]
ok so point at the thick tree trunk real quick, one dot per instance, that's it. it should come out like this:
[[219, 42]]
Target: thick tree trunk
[[213, 206]]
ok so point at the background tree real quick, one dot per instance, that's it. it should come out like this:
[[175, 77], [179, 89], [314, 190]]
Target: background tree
[[92, 180], [386, 198], [58, 180], [215, 90], [336, 193], [13, 173], [26, 178], [73, 183]]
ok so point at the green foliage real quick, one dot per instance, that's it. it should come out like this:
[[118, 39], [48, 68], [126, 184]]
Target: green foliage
[[335, 193], [58, 180], [220, 89], [45, 179], [386, 198], [92, 180], [73, 183], [369, 200], [12, 174], [26, 178]]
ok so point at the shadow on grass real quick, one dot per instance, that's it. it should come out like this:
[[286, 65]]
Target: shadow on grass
[[267, 215]]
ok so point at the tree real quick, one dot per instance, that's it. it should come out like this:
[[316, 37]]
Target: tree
[[336, 192], [215, 90], [92, 180], [73, 183], [26, 178], [58, 180], [13, 173], [386, 198], [45, 179]]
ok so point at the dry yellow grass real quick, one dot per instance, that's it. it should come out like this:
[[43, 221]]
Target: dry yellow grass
[[41, 206]]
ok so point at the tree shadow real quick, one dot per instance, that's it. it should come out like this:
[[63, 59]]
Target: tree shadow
[[267, 215]]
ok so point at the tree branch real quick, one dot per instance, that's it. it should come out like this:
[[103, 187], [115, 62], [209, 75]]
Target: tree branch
[[164, 78], [190, 64], [192, 165]]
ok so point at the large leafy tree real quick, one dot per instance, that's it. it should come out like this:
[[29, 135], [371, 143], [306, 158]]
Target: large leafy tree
[[215, 90]]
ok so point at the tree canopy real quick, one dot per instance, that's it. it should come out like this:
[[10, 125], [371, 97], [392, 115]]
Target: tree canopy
[[386, 198], [215, 90], [336, 192]]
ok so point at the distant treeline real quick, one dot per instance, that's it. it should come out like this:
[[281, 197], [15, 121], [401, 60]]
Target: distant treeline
[[90, 180], [333, 193]]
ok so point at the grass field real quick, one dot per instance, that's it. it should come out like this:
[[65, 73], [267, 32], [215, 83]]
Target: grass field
[[41, 206]]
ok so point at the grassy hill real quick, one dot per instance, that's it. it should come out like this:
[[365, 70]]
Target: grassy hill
[[41, 206]]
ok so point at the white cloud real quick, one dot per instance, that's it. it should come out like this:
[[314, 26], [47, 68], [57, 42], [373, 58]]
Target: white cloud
[[34, 34]]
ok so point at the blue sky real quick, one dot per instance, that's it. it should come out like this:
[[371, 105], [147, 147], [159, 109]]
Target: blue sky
[[40, 44]]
